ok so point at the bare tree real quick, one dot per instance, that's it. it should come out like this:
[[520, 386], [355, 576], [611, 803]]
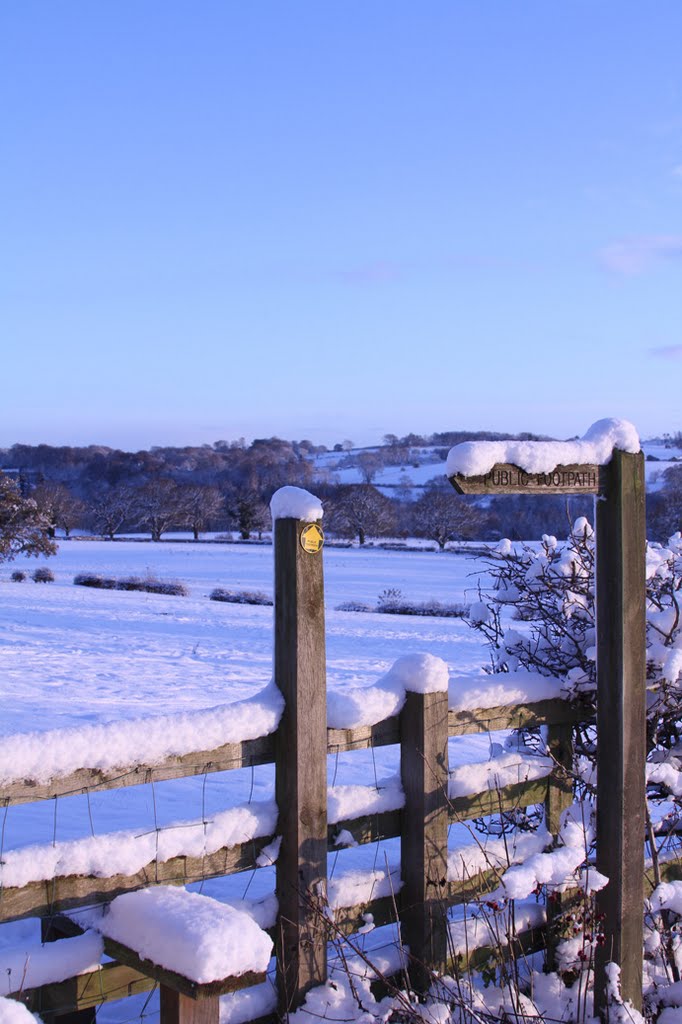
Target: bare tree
[[62, 509], [369, 464], [112, 509], [24, 529], [203, 504], [159, 505], [361, 510], [441, 515]]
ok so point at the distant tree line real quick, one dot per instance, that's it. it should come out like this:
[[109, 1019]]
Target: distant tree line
[[228, 486]]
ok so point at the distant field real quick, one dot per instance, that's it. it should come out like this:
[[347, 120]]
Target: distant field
[[72, 654]]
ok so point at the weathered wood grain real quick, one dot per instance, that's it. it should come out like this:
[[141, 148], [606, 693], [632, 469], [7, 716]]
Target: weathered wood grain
[[621, 720], [220, 759], [424, 836], [505, 478], [301, 764], [175, 981], [517, 716], [65, 892], [498, 801]]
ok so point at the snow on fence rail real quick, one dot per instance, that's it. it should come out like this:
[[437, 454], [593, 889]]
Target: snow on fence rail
[[417, 809]]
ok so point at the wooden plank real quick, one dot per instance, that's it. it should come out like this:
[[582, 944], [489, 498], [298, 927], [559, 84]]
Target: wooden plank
[[370, 828], [220, 759], [110, 982], [517, 716], [530, 941], [380, 735], [498, 801], [176, 1008], [476, 885], [301, 764], [384, 910], [175, 981], [504, 478], [424, 837], [621, 721], [43, 899]]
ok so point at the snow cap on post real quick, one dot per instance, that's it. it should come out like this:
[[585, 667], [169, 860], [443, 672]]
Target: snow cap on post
[[477, 458], [295, 503]]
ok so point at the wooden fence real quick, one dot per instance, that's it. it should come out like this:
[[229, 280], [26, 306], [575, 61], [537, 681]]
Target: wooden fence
[[299, 750]]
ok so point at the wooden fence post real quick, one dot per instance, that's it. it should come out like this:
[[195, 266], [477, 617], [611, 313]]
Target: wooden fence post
[[424, 837], [301, 763], [559, 798], [621, 721], [176, 1008]]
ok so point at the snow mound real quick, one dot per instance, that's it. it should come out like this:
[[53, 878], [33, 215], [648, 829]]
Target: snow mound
[[367, 705], [476, 458], [195, 935], [12, 1012], [295, 503]]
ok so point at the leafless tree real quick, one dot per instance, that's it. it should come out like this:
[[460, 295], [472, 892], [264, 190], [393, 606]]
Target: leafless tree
[[441, 515], [204, 504], [360, 510], [62, 509], [158, 506], [112, 509]]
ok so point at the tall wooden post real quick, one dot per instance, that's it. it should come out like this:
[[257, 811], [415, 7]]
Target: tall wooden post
[[424, 837], [301, 761], [621, 720]]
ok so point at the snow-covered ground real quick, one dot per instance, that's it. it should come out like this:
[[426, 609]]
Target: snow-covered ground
[[73, 656]]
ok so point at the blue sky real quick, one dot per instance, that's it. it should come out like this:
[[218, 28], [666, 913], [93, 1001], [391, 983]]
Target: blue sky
[[338, 219]]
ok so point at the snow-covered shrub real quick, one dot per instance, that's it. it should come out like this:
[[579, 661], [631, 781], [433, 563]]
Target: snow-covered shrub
[[539, 616], [42, 575], [149, 585], [354, 606], [92, 579], [550, 587], [173, 588], [240, 596]]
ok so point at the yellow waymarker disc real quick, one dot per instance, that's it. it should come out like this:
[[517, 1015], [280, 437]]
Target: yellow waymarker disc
[[312, 538]]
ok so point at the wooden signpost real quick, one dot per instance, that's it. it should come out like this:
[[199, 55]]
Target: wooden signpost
[[301, 759], [621, 689]]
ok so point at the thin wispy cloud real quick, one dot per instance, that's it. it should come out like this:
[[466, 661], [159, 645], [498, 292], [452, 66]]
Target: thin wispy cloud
[[667, 351], [677, 171], [641, 252]]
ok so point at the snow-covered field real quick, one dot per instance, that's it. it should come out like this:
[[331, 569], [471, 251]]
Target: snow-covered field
[[72, 655]]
